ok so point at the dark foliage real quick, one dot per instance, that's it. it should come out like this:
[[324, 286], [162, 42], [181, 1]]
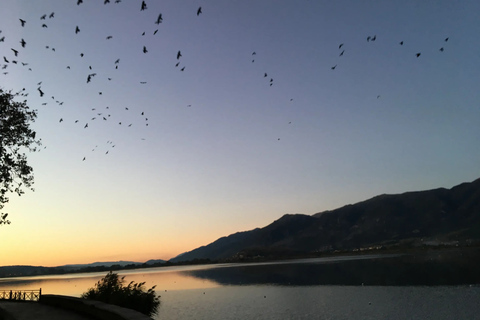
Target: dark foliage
[[16, 136], [111, 289]]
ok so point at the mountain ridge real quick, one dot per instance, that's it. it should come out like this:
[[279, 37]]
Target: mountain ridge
[[383, 220]]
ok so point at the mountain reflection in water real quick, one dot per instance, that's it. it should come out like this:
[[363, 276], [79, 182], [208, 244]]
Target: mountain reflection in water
[[452, 267]]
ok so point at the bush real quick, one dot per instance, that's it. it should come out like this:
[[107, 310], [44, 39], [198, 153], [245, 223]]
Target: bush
[[111, 289]]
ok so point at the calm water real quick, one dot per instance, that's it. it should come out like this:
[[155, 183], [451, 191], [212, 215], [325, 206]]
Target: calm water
[[300, 289]]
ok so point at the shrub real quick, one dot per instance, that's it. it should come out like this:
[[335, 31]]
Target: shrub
[[111, 289]]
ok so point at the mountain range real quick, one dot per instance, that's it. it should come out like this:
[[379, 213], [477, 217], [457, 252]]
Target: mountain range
[[412, 219], [433, 217]]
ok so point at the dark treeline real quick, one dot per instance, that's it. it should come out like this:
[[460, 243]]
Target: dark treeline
[[22, 271]]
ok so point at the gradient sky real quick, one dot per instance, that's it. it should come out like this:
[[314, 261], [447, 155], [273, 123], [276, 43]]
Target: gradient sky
[[223, 150]]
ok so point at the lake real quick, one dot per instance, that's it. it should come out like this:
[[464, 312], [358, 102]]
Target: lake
[[360, 287]]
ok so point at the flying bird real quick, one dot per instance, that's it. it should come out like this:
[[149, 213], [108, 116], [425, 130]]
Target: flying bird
[[44, 26], [79, 2], [183, 69], [77, 30], [43, 17], [446, 39], [341, 53], [51, 15], [340, 46], [2, 39], [23, 43], [144, 6], [145, 49], [418, 54], [333, 68], [401, 43], [441, 49], [179, 54], [199, 11], [117, 61], [41, 92], [109, 37], [22, 22], [155, 32], [159, 19]]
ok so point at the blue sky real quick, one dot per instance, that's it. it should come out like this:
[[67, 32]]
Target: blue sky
[[223, 150]]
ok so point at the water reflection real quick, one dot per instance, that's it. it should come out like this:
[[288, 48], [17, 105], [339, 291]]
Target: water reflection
[[426, 268], [168, 278]]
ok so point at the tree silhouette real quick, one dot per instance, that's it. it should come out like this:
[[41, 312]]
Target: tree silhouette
[[111, 289], [16, 137]]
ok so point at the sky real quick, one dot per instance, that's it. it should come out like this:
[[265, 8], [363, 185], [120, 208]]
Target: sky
[[275, 107]]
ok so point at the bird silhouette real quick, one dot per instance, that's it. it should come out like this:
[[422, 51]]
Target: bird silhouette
[[159, 19], [86, 126], [79, 2], [176, 65], [2, 39], [77, 30], [155, 32], [22, 22], [109, 37], [333, 68], [23, 43], [43, 17], [441, 49], [183, 69], [374, 38], [179, 54], [446, 39], [368, 38], [144, 6], [418, 54], [199, 11], [41, 92], [44, 26], [145, 49], [401, 43], [265, 75], [341, 53], [52, 15], [340, 46]]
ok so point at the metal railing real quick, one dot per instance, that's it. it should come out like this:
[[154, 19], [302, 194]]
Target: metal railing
[[23, 295]]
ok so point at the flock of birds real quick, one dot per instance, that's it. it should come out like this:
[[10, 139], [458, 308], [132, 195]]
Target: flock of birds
[[105, 115], [91, 74]]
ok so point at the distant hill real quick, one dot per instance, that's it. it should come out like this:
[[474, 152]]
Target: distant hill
[[17, 271], [99, 264], [155, 261], [412, 218]]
